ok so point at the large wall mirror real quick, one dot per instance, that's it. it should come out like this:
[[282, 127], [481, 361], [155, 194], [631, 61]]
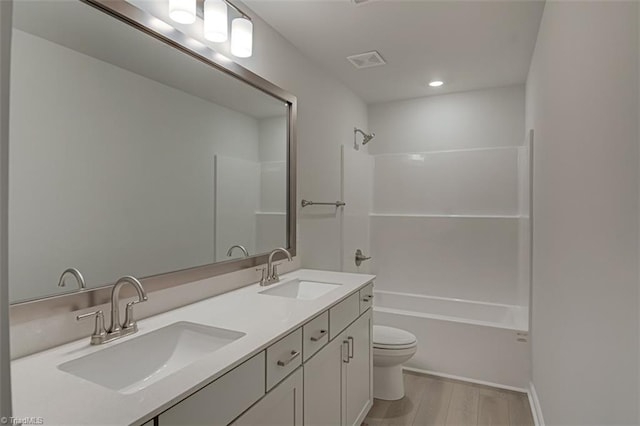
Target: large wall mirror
[[133, 152]]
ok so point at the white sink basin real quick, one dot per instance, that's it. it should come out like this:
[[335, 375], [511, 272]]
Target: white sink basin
[[298, 289], [135, 364]]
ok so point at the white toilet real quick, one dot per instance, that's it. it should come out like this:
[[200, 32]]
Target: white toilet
[[391, 348]]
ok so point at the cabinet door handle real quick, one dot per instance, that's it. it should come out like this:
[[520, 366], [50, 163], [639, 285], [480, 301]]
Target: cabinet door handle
[[293, 355], [351, 347], [345, 360], [318, 336]]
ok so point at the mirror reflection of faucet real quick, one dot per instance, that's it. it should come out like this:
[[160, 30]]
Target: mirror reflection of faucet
[[238, 246], [76, 274], [116, 329]]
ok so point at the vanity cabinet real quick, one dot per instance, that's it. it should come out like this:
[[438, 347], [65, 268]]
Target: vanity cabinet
[[223, 400], [318, 374], [337, 381], [323, 375], [282, 406], [358, 369]]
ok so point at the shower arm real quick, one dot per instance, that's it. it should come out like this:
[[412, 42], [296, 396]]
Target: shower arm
[[365, 136], [356, 130]]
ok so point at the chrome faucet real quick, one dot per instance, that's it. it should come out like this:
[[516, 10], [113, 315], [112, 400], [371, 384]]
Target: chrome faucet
[[76, 274], [271, 271], [244, 250], [116, 329], [129, 324]]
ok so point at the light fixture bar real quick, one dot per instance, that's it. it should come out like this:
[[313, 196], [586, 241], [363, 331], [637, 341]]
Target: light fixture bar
[[240, 12], [237, 9]]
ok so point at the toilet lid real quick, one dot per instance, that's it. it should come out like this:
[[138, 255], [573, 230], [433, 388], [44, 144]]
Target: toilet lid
[[386, 337]]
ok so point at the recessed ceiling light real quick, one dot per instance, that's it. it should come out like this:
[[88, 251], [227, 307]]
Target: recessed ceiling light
[[436, 83]]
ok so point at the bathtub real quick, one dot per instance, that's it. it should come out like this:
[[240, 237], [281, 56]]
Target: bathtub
[[476, 341]]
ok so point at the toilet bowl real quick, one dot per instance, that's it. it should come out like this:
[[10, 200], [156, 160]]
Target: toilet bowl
[[391, 348]]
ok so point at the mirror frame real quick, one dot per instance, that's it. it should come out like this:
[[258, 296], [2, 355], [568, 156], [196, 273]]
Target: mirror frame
[[141, 20]]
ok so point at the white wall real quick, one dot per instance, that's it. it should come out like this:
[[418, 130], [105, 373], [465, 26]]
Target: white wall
[[446, 195], [5, 48], [582, 102], [156, 174], [475, 119]]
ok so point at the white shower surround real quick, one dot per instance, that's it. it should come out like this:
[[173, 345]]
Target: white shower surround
[[450, 231]]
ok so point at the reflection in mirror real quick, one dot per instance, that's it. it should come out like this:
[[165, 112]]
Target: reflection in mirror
[[130, 157]]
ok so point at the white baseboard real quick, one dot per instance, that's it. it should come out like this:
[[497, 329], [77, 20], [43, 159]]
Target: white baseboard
[[534, 402], [466, 379]]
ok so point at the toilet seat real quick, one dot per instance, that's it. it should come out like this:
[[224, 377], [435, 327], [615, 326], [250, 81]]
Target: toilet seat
[[394, 347], [390, 338]]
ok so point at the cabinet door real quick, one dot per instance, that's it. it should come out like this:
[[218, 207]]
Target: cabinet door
[[359, 370], [323, 389], [282, 406]]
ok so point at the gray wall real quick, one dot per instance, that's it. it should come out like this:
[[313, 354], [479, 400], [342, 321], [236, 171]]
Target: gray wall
[[582, 101], [5, 47]]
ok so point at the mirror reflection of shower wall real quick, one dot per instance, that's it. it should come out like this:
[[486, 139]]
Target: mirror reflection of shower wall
[[113, 145]]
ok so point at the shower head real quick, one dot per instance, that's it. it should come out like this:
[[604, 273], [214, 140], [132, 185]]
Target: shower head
[[366, 137]]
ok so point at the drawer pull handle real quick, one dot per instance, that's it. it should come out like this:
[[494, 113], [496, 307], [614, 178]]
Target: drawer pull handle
[[367, 298], [351, 347], [345, 360], [294, 355], [318, 336]]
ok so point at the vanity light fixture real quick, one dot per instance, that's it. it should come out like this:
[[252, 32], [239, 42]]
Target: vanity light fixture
[[436, 83], [183, 11], [241, 37], [216, 26], [216, 23]]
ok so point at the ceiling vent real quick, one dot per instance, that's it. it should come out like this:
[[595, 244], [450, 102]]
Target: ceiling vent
[[366, 60]]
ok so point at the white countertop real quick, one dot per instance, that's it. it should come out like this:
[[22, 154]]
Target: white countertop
[[40, 389]]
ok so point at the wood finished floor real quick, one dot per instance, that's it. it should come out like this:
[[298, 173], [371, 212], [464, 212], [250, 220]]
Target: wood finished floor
[[431, 400]]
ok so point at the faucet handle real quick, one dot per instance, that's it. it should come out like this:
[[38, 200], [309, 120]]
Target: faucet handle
[[99, 332], [129, 321]]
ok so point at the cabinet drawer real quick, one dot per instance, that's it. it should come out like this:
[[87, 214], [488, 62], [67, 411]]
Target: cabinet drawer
[[366, 297], [283, 357], [223, 400], [315, 335], [343, 314]]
